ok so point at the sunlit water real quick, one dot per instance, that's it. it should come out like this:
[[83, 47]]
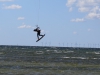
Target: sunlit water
[[49, 61]]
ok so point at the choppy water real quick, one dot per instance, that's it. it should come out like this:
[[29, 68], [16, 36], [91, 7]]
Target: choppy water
[[49, 61]]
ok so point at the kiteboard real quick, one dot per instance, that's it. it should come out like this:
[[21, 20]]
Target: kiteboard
[[40, 38]]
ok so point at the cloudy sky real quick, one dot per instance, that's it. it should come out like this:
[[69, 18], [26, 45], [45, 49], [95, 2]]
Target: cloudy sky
[[65, 22]]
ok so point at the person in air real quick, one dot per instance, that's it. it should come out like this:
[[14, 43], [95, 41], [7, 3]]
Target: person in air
[[38, 32]]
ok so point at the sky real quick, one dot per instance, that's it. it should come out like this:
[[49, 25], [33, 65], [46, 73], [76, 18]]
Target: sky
[[65, 22]]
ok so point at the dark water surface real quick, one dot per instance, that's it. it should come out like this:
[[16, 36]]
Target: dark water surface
[[29, 60]]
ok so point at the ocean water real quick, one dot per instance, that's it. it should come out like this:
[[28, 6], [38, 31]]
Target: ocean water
[[30, 60]]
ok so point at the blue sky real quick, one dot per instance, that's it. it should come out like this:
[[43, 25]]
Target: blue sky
[[65, 22]]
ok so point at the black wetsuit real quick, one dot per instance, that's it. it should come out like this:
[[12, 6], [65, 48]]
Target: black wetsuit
[[38, 32]]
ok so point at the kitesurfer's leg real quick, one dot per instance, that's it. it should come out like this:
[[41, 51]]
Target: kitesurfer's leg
[[41, 35], [38, 36]]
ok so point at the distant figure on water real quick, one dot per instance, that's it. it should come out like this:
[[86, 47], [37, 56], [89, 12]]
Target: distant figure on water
[[38, 33]]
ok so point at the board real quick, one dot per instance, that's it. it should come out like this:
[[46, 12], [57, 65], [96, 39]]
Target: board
[[40, 38]]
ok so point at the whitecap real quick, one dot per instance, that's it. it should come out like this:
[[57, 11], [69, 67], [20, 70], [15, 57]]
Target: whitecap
[[39, 52], [79, 57]]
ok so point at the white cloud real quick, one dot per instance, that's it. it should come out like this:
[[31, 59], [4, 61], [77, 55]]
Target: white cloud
[[78, 20], [25, 26], [13, 7], [86, 3], [44, 31], [83, 9], [89, 29], [93, 15], [96, 9], [91, 7], [70, 9], [21, 18], [6, 0], [74, 32], [70, 2]]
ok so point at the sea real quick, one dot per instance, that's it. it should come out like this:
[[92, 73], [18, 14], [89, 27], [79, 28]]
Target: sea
[[51, 60]]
